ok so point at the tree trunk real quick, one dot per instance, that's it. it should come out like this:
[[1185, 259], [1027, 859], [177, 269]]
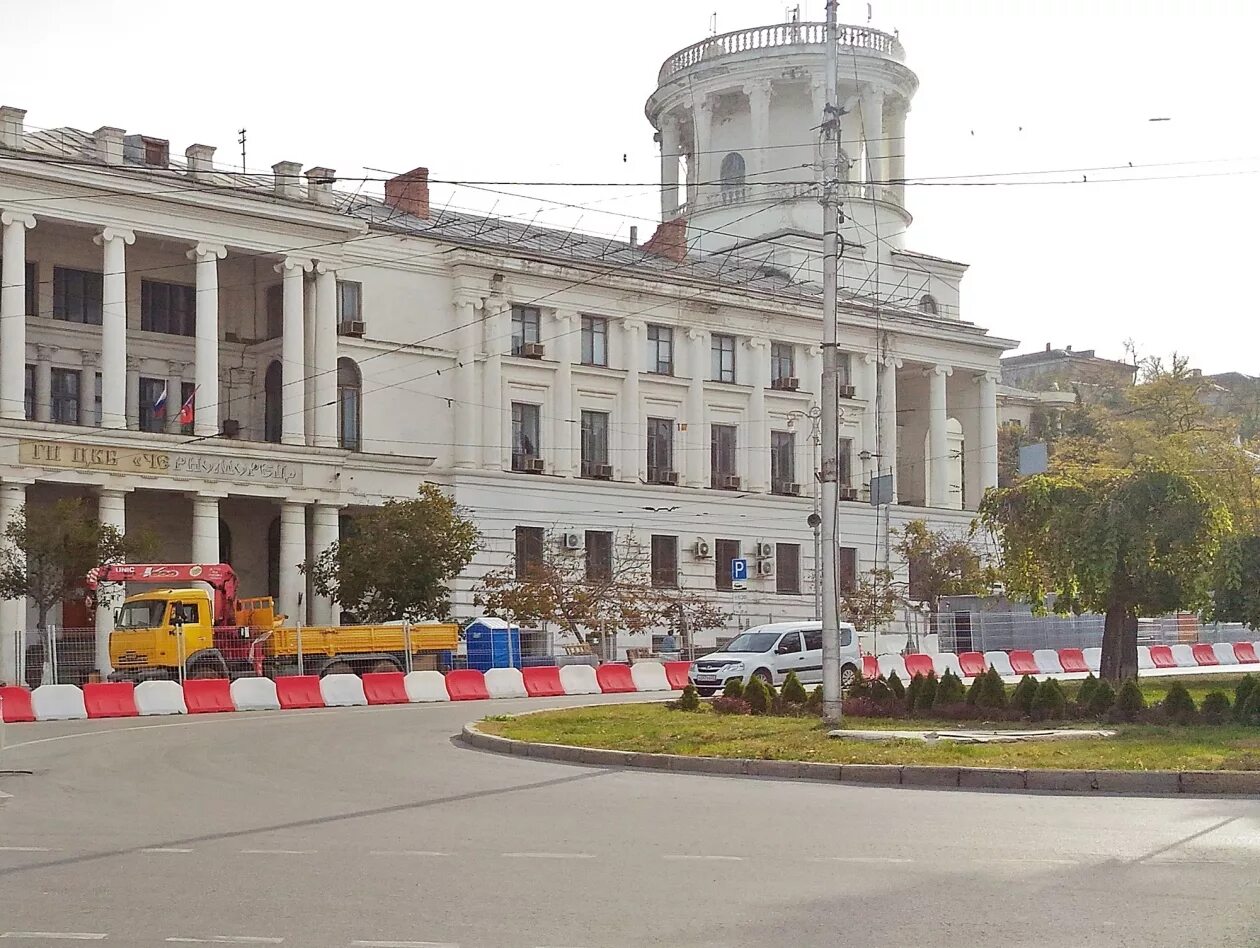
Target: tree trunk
[[1119, 648]]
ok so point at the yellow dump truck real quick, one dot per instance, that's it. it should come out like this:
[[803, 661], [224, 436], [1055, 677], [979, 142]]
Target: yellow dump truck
[[156, 633]]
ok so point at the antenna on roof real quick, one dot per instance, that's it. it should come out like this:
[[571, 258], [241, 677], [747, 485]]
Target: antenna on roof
[[241, 139]]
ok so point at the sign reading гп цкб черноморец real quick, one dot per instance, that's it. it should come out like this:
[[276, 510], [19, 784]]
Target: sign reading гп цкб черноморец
[[96, 457]]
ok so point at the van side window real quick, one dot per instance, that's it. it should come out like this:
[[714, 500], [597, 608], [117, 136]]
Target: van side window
[[846, 636], [789, 644], [813, 640]]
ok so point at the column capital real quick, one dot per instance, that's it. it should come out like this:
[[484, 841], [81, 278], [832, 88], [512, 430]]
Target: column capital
[[891, 361], [896, 105], [14, 483], [567, 315], [328, 267], [982, 377], [45, 353], [466, 297], [21, 218], [945, 370], [304, 264], [757, 87], [633, 325], [175, 367], [870, 358], [113, 493], [216, 496], [694, 333], [203, 250], [133, 363], [756, 342], [110, 234]]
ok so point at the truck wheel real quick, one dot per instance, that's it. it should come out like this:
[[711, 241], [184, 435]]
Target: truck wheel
[[206, 670], [384, 665], [338, 668]]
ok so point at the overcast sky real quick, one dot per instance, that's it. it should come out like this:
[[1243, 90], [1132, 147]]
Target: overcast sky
[[553, 90]]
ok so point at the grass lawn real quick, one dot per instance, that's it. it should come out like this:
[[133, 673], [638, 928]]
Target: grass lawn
[[654, 728]]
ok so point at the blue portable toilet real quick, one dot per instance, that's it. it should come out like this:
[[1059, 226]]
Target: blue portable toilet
[[492, 643]]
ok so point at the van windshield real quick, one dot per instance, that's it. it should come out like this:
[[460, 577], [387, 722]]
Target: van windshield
[[145, 614], [752, 642]]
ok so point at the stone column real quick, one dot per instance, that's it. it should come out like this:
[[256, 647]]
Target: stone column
[[758, 429], [292, 552], [111, 510], [325, 531], [873, 132], [697, 470], [938, 442], [988, 453], [133, 394], [633, 448], [205, 528], [467, 431], [895, 121], [43, 382], [206, 371], [758, 93], [293, 351], [495, 414], [113, 242], [566, 430], [867, 388], [13, 314], [174, 394], [888, 420], [308, 358], [701, 158], [12, 611], [325, 367], [669, 137]]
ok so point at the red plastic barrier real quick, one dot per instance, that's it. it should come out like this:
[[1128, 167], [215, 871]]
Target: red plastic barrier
[[676, 672], [1073, 660], [110, 699], [384, 688], [1203, 654], [208, 695], [1245, 652], [466, 684], [919, 664], [543, 682], [1161, 657], [298, 691], [15, 704], [870, 667], [972, 663], [1023, 663], [614, 679]]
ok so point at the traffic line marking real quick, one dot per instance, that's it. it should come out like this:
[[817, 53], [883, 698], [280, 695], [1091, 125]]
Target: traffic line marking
[[708, 858], [548, 855], [406, 852], [403, 944], [229, 940], [277, 852], [861, 859], [58, 936], [165, 849], [25, 849]]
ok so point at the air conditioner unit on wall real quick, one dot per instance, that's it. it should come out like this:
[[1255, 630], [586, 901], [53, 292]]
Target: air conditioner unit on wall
[[533, 350], [572, 541], [355, 328], [764, 549], [703, 549], [765, 567]]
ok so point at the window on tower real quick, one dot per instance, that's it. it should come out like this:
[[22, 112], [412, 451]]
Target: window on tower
[[733, 177]]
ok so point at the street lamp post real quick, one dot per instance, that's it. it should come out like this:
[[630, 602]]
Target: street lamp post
[[815, 519]]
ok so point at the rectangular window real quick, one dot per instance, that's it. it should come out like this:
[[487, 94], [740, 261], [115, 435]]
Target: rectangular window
[[844, 462], [660, 350], [32, 288], [660, 448], [30, 393], [846, 568], [349, 302], [782, 461], [186, 390], [529, 551], [782, 361], [77, 295], [787, 569], [844, 368], [723, 348], [725, 553], [665, 561], [169, 308], [594, 340], [150, 391], [275, 312], [526, 325], [599, 556], [65, 396], [722, 455], [98, 400], [526, 425], [594, 443]]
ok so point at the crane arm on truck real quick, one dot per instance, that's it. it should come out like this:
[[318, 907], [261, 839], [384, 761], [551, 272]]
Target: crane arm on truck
[[220, 576]]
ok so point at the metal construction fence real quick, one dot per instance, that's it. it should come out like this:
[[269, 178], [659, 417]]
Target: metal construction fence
[[984, 631]]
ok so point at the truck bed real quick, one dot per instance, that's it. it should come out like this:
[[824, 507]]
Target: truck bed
[[359, 639]]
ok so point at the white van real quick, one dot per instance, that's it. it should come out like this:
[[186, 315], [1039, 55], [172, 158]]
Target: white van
[[771, 651]]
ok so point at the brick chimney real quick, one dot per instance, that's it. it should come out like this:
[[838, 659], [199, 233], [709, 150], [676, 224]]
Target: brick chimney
[[409, 193], [669, 241], [12, 126]]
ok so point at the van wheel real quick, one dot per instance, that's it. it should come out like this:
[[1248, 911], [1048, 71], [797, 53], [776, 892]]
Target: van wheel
[[848, 676], [764, 675]]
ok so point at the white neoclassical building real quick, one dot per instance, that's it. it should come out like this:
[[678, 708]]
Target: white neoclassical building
[[335, 350]]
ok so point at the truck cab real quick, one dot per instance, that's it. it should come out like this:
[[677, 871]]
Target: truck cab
[[153, 631]]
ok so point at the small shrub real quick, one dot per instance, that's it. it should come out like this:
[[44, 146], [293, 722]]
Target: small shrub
[[973, 693], [867, 708], [724, 705], [1242, 692], [1102, 697], [880, 693], [689, 700], [992, 691], [734, 688], [949, 690], [814, 703], [1086, 691], [1251, 712], [1177, 703], [1130, 702], [896, 687], [1050, 701], [759, 696], [793, 692], [912, 691], [861, 688], [1024, 693], [1215, 706], [925, 700]]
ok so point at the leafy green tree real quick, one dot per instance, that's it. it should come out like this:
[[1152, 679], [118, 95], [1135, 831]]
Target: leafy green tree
[[1236, 596], [873, 601], [941, 564], [1123, 543], [399, 560]]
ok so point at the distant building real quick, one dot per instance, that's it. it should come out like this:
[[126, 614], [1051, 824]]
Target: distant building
[[1236, 396], [1066, 369]]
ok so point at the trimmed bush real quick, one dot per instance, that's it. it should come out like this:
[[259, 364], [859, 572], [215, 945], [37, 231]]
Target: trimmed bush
[[793, 692], [1130, 701], [1050, 701], [758, 695], [949, 690], [724, 705], [1215, 706], [912, 691], [1242, 692], [814, 703], [1024, 693], [896, 687], [973, 692], [734, 688], [1177, 703], [1251, 712], [1086, 691], [1102, 697], [992, 691], [861, 687], [689, 700], [880, 693], [925, 700]]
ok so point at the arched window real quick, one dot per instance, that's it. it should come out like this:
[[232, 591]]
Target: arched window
[[927, 304], [732, 174], [273, 558], [273, 403], [225, 543], [349, 405]]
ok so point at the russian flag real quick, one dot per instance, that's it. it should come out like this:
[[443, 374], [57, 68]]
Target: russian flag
[[159, 406]]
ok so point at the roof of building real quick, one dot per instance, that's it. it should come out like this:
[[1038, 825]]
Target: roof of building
[[1060, 355]]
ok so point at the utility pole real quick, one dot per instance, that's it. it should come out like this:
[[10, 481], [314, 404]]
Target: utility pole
[[830, 377]]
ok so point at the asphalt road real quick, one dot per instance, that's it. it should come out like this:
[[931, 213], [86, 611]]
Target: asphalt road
[[371, 827]]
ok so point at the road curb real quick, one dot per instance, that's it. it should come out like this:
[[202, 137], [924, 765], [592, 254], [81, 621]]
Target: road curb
[[1147, 783]]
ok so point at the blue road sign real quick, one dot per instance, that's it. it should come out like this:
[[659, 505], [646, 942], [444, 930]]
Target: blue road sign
[[739, 570]]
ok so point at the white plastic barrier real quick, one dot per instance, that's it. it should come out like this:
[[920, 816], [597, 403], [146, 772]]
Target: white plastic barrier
[[254, 694], [425, 686], [893, 663], [1183, 655], [58, 703], [342, 691], [579, 680], [1047, 660], [505, 683], [649, 676], [1225, 653], [1093, 659], [1144, 658], [160, 697], [1002, 662], [946, 661]]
